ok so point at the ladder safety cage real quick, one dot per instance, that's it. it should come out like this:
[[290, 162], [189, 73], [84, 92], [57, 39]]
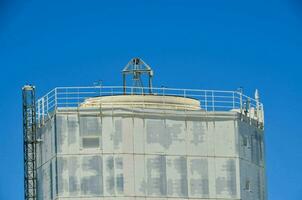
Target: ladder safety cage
[[29, 141]]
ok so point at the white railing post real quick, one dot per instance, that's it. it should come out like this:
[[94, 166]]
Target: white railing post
[[47, 105], [78, 95], [56, 99], [233, 99], [206, 100], [213, 100], [66, 97], [241, 101], [39, 111], [43, 111]]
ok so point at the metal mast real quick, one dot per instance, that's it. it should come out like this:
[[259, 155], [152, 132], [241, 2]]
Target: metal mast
[[137, 67], [29, 142]]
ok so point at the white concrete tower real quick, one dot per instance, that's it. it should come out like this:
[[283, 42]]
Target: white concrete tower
[[119, 143]]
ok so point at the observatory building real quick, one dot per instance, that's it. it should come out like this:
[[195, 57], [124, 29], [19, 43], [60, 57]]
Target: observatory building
[[143, 143]]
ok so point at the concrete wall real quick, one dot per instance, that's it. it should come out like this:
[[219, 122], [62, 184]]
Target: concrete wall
[[252, 162], [147, 154]]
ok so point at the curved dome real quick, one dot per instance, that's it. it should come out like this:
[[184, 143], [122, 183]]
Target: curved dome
[[143, 101]]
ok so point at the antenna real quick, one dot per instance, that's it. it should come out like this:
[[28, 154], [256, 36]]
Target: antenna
[[257, 98], [137, 67]]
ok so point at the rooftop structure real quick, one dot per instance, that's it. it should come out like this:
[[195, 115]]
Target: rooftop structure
[[209, 100], [135, 142]]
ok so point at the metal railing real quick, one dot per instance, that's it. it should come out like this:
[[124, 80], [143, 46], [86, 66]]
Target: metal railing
[[210, 100]]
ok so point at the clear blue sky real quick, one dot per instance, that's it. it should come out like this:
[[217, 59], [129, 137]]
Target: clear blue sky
[[191, 44]]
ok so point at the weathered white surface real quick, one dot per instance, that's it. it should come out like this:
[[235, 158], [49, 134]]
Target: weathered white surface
[[143, 101], [118, 153]]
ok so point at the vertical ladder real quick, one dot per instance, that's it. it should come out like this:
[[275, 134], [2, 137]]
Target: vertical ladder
[[29, 142]]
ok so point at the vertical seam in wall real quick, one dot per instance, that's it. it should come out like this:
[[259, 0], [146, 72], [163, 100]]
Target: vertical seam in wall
[[56, 152], [132, 153], [237, 135]]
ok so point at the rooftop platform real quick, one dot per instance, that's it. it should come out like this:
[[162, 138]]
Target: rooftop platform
[[159, 98]]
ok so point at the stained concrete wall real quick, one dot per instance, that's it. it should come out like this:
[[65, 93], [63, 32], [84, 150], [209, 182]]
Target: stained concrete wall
[[148, 154], [252, 162]]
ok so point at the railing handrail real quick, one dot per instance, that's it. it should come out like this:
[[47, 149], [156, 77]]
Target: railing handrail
[[210, 100]]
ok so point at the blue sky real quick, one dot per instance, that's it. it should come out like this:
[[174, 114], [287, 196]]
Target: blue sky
[[189, 43]]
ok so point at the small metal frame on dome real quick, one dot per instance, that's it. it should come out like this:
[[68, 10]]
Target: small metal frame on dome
[[137, 67]]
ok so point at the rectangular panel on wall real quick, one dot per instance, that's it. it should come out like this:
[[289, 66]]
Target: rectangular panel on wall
[[62, 133], [140, 180], [74, 176], [53, 136], [244, 146], [67, 133], [243, 179], [80, 176], [251, 144], [39, 183], [245, 141], [62, 176], [119, 175], [258, 184], [127, 135], [177, 184], [54, 178], [156, 175], [39, 147], [139, 135], [109, 176], [129, 173], [157, 141], [90, 131], [198, 177], [91, 176], [91, 143], [117, 134], [73, 133], [261, 149], [107, 130], [113, 175], [197, 138], [263, 184], [256, 178], [255, 147], [226, 186], [246, 180], [46, 173], [225, 138], [90, 125], [112, 134], [46, 182], [46, 149], [48, 141], [175, 137]]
